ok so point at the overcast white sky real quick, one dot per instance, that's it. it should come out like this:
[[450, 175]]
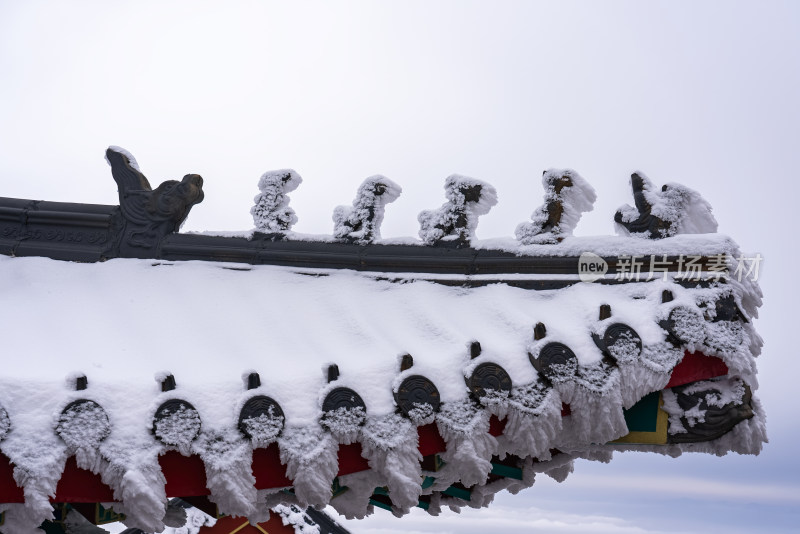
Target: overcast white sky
[[705, 94]]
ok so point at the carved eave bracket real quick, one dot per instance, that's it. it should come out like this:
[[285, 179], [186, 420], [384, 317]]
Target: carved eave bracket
[[150, 214]]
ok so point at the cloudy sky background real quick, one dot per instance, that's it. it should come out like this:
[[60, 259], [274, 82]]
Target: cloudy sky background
[[705, 94]]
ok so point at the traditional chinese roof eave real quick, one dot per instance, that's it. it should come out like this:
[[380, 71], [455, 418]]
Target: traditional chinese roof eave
[[470, 389]]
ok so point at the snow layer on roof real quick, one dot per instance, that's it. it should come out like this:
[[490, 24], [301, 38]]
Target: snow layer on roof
[[124, 321], [127, 323]]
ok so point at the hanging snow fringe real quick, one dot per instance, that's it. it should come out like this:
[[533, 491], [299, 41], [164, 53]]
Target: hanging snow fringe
[[227, 458], [310, 456], [136, 479], [470, 447], [483, 494], [645, 372], [37, 469], [391, 447], [595, 402], [354, 503], [533, 421]]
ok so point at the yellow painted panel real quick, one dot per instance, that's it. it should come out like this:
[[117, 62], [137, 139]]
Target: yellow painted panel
[[659, 437]]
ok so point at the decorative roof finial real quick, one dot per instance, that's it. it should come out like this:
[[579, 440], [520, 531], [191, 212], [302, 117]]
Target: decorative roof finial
[[675, 209], [271, 213], [150, 214], [361, 222], [566, 196], [455, 222]]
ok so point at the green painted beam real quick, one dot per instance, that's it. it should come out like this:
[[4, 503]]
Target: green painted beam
[[379, 504], [506, 471], [643, 416], [459, 493]]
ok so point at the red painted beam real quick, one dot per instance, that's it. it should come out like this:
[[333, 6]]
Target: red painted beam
[[696, 366], [268, 469], [9, 491], [80, 485], [496, 426], [186, 475], [350, 459]]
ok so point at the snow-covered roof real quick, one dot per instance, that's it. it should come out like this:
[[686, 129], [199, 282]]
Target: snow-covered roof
[[125, 362]]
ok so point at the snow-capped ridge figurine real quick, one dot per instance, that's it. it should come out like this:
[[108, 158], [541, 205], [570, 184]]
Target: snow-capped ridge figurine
[[676, 209], [271, 212], [361, 222], [455, 221], [566, 196], [150, 214]]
